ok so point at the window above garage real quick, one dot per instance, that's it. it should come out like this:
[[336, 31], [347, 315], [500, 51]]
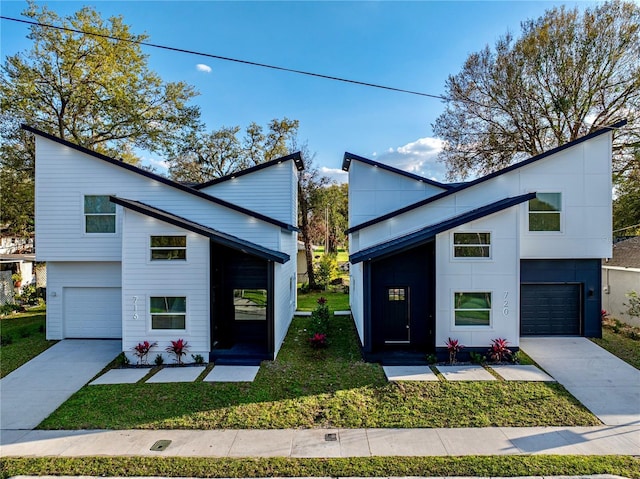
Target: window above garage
[[99, 214], [544, 212]]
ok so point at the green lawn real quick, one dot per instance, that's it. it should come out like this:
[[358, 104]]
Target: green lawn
[[23, 338], [337, 300], [622, 341], [305, 388], [469, 466]]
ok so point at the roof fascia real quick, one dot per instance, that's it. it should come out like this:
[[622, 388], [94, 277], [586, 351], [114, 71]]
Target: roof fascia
[[215, 235], [160, 179], [295, 157], [425, 235], [482, 179], [348, 157]]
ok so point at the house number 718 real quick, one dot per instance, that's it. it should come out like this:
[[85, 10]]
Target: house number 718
[[505, 304]]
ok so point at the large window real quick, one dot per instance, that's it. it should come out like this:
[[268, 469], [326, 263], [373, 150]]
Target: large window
[[472, 309], [168, 312], [168, 248], [544, 212], [250, 304], [472, 245], [99, 214]]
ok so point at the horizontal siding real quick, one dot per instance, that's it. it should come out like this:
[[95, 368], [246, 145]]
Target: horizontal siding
[[285, 290], [143, 279], [64, 175]]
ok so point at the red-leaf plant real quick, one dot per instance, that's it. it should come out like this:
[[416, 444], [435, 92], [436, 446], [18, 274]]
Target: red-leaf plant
[[178, 348], [141, 350], [318, 340], [454, 347], [499, 352]]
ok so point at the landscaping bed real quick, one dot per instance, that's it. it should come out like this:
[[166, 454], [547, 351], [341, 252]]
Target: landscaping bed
[[620, 339]]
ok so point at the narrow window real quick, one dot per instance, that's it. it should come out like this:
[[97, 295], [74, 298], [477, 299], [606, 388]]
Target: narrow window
[[99, 214], [168, 312], [396, 294], [250, 304], [168, 248], [472, 245], [544, 212], [472, 309]]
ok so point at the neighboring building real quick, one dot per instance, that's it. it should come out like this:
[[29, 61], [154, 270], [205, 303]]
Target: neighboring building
[[133, 255], [620, 276], [511, 254]]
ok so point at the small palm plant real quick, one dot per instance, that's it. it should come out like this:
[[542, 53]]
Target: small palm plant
[[141, 350], [499, 352], [178, 348], [454, 347]]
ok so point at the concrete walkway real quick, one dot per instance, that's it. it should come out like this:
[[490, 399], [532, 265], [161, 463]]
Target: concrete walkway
[[606, 385], [600, 440], [36, 389]]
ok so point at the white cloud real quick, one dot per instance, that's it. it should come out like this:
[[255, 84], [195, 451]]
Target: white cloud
[[336, 174], [201, 67], [418, 157], [160, 166]]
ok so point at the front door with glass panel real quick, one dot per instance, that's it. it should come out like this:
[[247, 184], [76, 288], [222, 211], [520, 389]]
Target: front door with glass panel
[[397, 324]]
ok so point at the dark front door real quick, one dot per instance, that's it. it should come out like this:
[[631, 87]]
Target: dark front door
[[397, 325]]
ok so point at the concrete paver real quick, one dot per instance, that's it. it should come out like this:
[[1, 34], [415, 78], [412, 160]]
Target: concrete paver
[[409, 373], [36, 389], [232, 374], [184, 374], [465, 373], [521, 372], [603, 383], [121, 376]]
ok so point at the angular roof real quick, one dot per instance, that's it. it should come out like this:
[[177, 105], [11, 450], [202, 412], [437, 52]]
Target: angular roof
[[295, 157], [463, 186], [160, 179], [346, 164], [626, 254], [427, 234], [216, 236]]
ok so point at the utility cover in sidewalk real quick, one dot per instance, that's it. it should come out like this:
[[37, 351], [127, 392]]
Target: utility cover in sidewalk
[[331, 437], [160, 445]]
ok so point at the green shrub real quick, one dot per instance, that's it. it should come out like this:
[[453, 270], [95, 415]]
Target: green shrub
[[326, 269]]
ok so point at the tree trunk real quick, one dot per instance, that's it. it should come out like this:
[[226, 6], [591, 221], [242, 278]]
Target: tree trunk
[[306, 237]]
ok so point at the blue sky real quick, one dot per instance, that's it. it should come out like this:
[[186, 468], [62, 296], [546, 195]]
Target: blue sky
[[409, 45]]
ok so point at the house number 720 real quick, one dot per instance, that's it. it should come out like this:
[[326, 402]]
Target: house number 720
[[505, 304]]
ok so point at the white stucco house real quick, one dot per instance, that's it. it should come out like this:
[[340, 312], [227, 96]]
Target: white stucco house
[[517, 252], [133, 255]]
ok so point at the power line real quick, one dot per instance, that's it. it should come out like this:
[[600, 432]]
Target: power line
[[229, 59]]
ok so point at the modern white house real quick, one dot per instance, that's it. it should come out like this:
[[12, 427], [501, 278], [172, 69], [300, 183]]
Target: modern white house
[[515, 253], [134, 255]]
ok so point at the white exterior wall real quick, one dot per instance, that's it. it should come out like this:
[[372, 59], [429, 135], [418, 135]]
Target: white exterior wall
[[582, 174], [263, 191], [64, 175], [142, 279], [375, 191], [499, 275], [356, 301], [62, 275], [285, 289]]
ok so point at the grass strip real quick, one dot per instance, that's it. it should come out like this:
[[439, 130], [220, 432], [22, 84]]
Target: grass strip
[[485, 466]]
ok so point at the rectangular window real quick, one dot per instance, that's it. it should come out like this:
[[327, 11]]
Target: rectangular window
[[472, 309], [168, 312], [544, 212], [99, 214], [168, 248], [472, 245], [396, 294], [250, 304]]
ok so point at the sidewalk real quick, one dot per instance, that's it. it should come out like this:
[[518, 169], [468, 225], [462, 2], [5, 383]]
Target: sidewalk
[[599, 440]]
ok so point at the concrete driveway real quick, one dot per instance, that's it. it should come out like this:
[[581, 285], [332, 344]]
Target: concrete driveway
[[36, 389], [606, 385]]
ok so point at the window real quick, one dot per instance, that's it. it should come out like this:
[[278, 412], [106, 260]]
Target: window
[[396, 294], [99, 214], [250, 304], [168, 248], [472, 309], [168, 312], [544, 212], [472, 245]]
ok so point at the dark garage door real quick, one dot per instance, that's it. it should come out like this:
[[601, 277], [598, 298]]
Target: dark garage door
[[550, 309]]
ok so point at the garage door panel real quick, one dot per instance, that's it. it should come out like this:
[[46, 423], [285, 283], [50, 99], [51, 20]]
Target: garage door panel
[[550, 309], [93, 313]]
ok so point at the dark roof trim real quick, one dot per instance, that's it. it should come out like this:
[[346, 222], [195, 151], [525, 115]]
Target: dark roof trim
[[477, 181], [296, 157], [348, 157], [425, 235], [160, 179], [215, 235]]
